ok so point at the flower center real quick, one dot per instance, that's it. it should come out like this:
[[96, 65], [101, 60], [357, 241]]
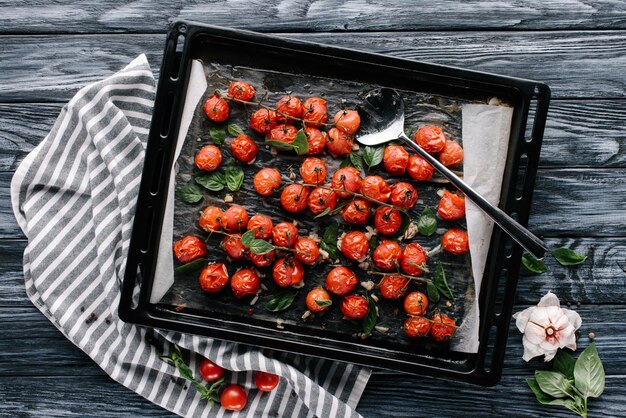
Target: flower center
[[549, 331]]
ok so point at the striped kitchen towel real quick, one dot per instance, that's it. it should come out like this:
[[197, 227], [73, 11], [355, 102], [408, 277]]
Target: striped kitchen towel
[[74, 197]]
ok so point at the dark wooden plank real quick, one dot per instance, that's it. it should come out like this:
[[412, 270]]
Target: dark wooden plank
[[8, 225]]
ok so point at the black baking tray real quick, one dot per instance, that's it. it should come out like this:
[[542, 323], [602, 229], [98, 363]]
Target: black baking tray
[[189, 40]]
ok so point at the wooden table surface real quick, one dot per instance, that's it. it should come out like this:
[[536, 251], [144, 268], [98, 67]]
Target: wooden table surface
[[49, 49]]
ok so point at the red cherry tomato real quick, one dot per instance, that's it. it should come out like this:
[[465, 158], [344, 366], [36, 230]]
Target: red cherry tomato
[[210, 371], [189, 248], [241, 90], [347, 121], [315, 112], [307, 250], [354, 306], [318, 300], [266, 181], [377, 188], [430, 138], [393, 287], [245, 282], [285, 234], [263, 120], [339, 143], [233, 398], [416, 327], [420, 169], [262, 260], [413, 256], [244, 149], [348, 179], [211, 218], [442, 328], [321, 199], [455, 241], [235, 219], [316, 140], [261, 225], [290, 106], [287, 272], [387, 220], [355, 245], [395, 160], [283, 133], [294, 198], [403, 195], [416, 303], [208, 158], [216, 109], [452, 154], [451, 206], [313, 171], [356, 212], [213, 278], [387, 255], [234, 247], [265, 382], [341, 280]]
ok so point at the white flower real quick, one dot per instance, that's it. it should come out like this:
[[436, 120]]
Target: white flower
[[547, 327]]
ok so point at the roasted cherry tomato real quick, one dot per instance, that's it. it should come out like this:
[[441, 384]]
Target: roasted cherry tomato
[[403, 195], [341, 280], [354, 306], [294, 198], [387, 220], [211, 218], [318, 300], [451, 206], [416, 327], [244, 149], [263, 120], [208, 158], [283, 133], [348, 179], [338, 142], [356, 212], [452, 154], [241, 90], [313, 171], [265, 382], [189, 248], [267, 181], [289, 109], [420, 169], [287, 272], [377, 188], [210, 371], [355, 245], [413, 258], [307, 250], [430, 138], [233, 398], [347, 121], [442, 328], [321, 199], [285, 234], [262, 260], [393, 287], [455, 241], [261, 225], [213, 278], [216, 109], [234, 247], [315, 111], [316, 140], [395, 160], [235, 219], [416, 303], [245, 282], [387, 255]]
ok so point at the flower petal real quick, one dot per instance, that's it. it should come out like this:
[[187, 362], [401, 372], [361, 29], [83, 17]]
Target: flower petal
[[530, 350], [549, 299], [534, 333], [521, 318], [573, 317], [550, 355]]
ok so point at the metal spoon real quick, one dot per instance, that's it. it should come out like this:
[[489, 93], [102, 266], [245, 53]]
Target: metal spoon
[[382, 120]]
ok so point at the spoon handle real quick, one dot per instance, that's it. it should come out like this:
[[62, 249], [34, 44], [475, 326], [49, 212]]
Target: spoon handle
[[521, 235]]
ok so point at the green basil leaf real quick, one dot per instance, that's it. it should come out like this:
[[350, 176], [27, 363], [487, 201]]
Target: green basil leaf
[[192, 266], [190, 194], [427, 224], [323, 213], [545, 399], [332, 250], [532, 264], [323, 302], [330, 233], [589, 373], [214, 181], [369, 322], [440, 282], [372, 156], [234, 177], [300, 144], [217, 135], [281, 301], [345, 163], [567, 257], [356, 161], [554, 384], [280, 145], [234, 129], [404, 225], [259, 246], [247, 238], [564, 364], [433, 293]]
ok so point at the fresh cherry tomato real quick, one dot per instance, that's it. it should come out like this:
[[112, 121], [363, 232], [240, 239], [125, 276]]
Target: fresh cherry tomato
[[356, 212], [393, 287], [241, 90], [307, 250], [403, 195], [395, 160], [216, 109], [416, 327], [189, 248], [261, 225], [339, 143], [377, 188], [245, 282], [413, 257], [354, 306], [316, 140], [208, 158], [416, 303], [341, 281], [235, 219], [315, 112], [321, 199], [442, 328], [355, 245], [233, 398], [387, 255], [451, 206], [294, 198], [262, 260], [313, 171], [290, 106], [266, 181], [285, 234], [430, 138], [213, 278], [387, 220], [211, 218], [234, 247], [283, 133], [263, 120], [287, 272], [210, 371], [455, 241], [318, 300], [265, 382], [347, 121], [452, 154], [348, 179], [420, 169], [244, 149]]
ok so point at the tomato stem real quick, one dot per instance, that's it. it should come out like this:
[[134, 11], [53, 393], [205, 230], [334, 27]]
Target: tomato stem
[[417, 279]]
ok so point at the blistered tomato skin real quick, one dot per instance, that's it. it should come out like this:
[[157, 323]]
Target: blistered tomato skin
[[315, 112], [313, 171], [283, 133], [316, 140], [455, 241], [208, 158], [233, 398], [387, 220], [355, 245], [417, 327], [241, 90], [430, 138], [267, 181], [341, 281], [234, 247], [265, 382], [317, 294], [210, 371], [356, 212], [213, 278], [189, 248], [307, 250], [416, 303], [285, 234], [387, 255], [244, 283], [216, 109], [289, 109], [347, 121], [452, 154], [261, 225], [393, 287], [377, 188], [321, 199], [263, 120], [235, 219], [403, 195], [339, 143], [287, 272], [442, 328], [395, 160], [244, 149], [294, 198], [346, 181], [413, 256], [419, 169], [354, 307], [262, 260], [451, 206], [211, 218]]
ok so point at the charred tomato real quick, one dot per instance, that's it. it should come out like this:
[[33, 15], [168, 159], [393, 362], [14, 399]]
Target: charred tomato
[[307, 250], [316, 140], [455, 241], [416, 327], [285, 234], [416, 303], [315, 112], [420, 169], [452, 154], [346, 181], [355, 245], [261, 225], [442, 327], [321, 199], [393, 287], [241, 90], [287, 272], [430, 138], [266, 181], [341, 281], [339, 143], [395, 160], [387, 220], [216, 109], [318, 300], [289, 109], [354, 306], [233, 246], [189, 248], [451, 206], [283, 133], [294, 198], [356, 212], [211, 218], [208, 158], [244, 149], [263, 120], [235, 219], [313, 171], [403, 195], [213, 278], [376, 188], [245, 282], [387, 255], [347, 121], [413, 259]]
